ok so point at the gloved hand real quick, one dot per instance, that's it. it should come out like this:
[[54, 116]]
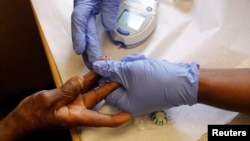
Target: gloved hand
[[83, 26], [148, 84]]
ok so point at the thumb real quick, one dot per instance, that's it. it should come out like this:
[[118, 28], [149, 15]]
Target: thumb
[[116, 69], [112, 70]]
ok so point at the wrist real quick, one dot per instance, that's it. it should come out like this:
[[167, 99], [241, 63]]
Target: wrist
[[13, 127], [184, 84]]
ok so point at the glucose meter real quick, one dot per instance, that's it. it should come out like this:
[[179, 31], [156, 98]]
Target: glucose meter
[[135, 23]]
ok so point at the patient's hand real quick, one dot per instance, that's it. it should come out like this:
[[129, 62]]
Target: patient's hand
[[64, 107]]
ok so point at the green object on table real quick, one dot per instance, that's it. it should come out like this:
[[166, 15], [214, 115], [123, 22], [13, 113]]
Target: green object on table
[[159, 117]]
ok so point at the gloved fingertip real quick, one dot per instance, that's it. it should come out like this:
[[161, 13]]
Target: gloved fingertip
[[78, 50], [79, 42], [100, 67], [98, 63], [109, 26]]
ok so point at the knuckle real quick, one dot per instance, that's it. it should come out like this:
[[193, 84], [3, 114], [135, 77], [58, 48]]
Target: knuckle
[[75, 84], [43, 96]]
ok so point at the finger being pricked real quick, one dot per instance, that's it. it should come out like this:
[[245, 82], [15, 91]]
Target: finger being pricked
[[90, 81]]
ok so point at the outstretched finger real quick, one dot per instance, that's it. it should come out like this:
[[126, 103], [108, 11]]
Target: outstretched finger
[[104, 120], [93, 97]]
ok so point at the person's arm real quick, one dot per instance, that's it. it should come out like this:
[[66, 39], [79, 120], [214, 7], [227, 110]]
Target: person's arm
[[151, 85], [65, 107], [225, 88], [12, 129]]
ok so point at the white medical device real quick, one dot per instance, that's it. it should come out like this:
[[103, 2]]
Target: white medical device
[[136, 21]]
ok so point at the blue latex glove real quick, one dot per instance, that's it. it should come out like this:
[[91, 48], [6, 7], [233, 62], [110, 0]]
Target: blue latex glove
[[148, 84], [83, 26]]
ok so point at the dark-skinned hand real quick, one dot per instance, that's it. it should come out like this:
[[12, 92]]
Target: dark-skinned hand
[[65, 107]]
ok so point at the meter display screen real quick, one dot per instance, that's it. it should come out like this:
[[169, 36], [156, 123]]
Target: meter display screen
[[130, 19]]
